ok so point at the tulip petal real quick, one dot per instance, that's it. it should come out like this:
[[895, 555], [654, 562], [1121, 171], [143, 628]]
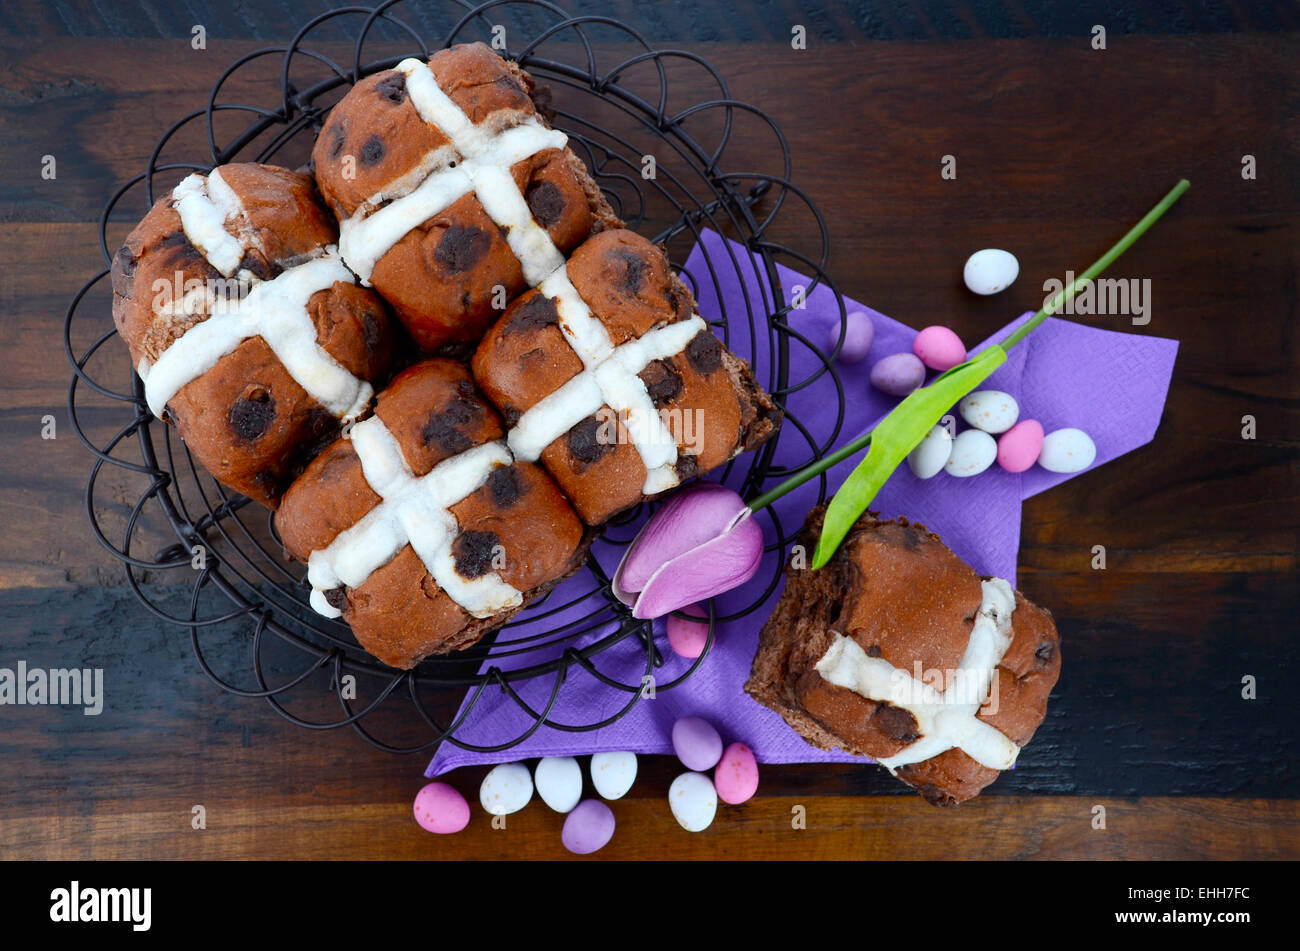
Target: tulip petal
[[719, 564], [690, 518]]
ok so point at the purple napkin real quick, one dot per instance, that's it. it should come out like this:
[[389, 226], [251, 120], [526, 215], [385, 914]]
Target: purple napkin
[[1055, 374]]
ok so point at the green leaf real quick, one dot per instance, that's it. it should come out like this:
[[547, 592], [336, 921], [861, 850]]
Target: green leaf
[[893, 438]]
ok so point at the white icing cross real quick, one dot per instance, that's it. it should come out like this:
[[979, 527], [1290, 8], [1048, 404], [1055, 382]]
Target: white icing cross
[[206, 207], [484, 168], [609, 377], [216, 224], [414, 510], [276, 311], [945, 720]]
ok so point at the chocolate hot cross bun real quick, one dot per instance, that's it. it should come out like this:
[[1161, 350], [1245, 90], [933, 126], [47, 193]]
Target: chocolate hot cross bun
[[452, 191], [250, 334], [897, 650], [607, 374], [420, 529]]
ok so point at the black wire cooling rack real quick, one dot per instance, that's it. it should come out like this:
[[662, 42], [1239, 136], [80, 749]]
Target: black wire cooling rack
[[243, 591]]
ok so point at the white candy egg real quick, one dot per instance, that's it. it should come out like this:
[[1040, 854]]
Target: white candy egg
[[613, 773], [693, 801], [990, 410], [506, 789], [931, 454], [1067, 450], [990, 270], [973, 451], [559, 782]]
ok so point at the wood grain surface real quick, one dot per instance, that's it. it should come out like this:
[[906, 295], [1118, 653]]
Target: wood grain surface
[[1059, 147]]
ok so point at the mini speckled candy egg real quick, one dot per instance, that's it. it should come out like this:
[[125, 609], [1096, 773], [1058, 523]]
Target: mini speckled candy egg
[[440, 808], [990, 410], [1020, 445], [588, 828], [1067, 450], [559, 782], [693, 800], [990, 270], [931, 454], [687, 638], [506, 789], [898, 374], [613, 773], [939, 348], [736, 778], [696, 743], [859, 332], [973, 451]]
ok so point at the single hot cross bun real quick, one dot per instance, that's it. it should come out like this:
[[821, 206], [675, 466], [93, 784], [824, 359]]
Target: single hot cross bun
[[452, 191], [250, 334], [897, 650], [607, 375], [420, 529]]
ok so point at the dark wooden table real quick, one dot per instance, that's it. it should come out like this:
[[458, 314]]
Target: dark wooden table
[[1059, 147]]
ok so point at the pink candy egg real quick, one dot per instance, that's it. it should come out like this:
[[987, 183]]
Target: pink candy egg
[[1020, 445], [736, 777], [686, 637], [588, 828], [939, 348], [440, 808]]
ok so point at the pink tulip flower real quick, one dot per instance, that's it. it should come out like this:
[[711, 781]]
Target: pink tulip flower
[[700, 543]]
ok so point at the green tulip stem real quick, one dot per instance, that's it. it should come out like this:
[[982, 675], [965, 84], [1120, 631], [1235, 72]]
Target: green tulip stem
[[1052, 306]]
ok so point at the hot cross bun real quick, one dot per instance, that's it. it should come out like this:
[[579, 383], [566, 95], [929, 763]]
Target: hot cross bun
[[897, 650], [607, 375], [249, 333], [420, 529], [452, 191]]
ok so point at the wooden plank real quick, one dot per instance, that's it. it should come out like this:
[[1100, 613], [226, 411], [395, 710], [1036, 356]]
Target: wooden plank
[[1150, 702], [1064, 160], [837, 827], [722, 21]]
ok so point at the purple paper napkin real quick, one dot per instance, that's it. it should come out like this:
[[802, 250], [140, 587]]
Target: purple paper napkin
[[1055, 374]]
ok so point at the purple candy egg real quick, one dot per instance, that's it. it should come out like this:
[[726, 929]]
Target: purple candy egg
[[440, 808], [696, 743], [859, 332], [588, 828], [899, 374]]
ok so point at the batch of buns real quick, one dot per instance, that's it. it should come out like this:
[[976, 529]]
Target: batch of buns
[[437, 353], [444, 363]]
